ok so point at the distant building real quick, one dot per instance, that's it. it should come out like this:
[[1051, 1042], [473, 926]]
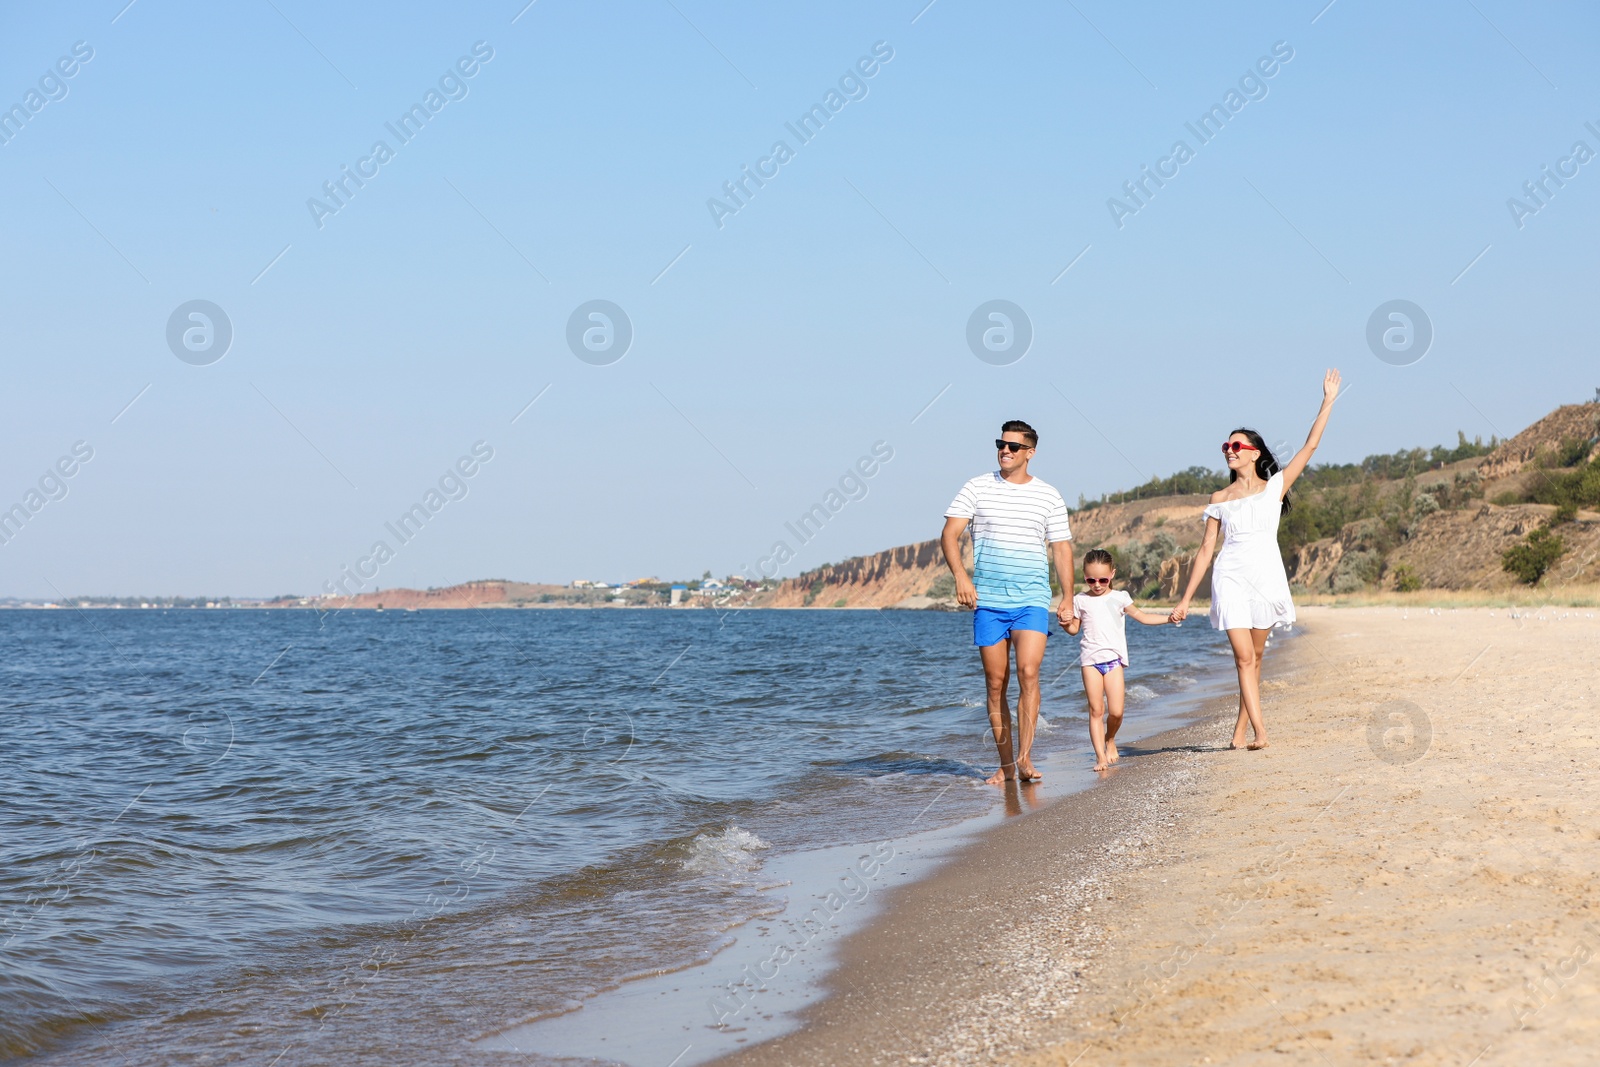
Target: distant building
[[677, 594]]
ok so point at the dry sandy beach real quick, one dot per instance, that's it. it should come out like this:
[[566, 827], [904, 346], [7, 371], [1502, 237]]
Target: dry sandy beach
[[1409, 874]]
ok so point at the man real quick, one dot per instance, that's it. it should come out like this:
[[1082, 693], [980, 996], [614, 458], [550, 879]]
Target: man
[[1018, 524]]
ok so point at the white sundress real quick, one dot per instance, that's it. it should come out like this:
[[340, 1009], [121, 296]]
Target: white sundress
[[1249, 589]]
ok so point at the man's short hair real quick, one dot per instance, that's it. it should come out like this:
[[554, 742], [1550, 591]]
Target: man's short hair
[[1027, 432]]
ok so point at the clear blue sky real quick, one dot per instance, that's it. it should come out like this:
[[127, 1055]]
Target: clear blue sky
[[773, 352]]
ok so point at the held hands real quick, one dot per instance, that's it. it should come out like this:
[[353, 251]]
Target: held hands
[[1064, 614], [1180, 612]]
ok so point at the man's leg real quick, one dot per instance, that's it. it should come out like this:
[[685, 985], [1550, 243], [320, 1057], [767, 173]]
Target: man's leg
[[997, 678], [1030, 656]]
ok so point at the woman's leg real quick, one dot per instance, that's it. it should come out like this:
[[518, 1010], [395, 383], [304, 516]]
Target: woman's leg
[[1259, 638], [1246, 660], [1094, 688], [1115, 695]]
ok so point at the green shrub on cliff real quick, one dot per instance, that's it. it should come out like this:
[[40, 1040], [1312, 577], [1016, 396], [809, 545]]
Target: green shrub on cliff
[[1579, 487], [1533, 557], [1356, 570], [1569, 453], [1406, 580]]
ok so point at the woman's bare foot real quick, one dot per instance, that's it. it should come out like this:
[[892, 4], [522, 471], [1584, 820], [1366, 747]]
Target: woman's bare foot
[[1000, 777], [1256, 746], [1100, 766], [1111, 752]]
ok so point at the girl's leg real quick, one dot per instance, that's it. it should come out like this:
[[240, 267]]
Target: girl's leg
[[1115, 695], [1094, 688], [1245, 660]]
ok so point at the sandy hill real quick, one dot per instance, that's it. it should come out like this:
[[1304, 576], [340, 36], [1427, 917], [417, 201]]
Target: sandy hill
[[881, 580], [1461, 546], [1571, 422]]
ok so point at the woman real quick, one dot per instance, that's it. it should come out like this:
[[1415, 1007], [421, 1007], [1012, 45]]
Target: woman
[[1249, 589]]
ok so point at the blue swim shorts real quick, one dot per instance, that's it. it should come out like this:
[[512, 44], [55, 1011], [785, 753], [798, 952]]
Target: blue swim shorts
[[993, 625]]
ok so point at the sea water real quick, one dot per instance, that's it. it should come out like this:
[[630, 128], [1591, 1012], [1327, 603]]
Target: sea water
[[367, 838]]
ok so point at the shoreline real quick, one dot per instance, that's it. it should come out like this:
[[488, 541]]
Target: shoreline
[[1399, 877], [940, 943]]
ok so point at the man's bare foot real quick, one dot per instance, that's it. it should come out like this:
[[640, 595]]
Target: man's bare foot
[[999, 777], [1256, 746], [1028, 773]]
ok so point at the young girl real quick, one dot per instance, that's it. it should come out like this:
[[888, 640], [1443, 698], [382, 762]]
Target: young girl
[[1249, 589], [1103, 651]]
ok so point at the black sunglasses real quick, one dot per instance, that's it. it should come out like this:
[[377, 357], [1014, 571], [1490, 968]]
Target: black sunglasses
[[1014, 446]]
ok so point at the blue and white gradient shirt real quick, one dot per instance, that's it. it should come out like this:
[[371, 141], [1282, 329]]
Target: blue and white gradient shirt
[[1011, 525]]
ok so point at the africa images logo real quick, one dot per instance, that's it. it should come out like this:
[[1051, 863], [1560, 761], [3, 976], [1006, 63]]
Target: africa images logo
[[999, 332], [1399, 332], [199, 332], [599, 332]]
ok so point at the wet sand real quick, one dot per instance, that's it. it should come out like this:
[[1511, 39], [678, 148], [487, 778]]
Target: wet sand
[[1410, 874]]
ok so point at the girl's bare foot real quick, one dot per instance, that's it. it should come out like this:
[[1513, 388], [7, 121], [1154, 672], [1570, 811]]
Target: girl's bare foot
[[1256, 746], [1100, 766], [1237, 742], [1111, 752]]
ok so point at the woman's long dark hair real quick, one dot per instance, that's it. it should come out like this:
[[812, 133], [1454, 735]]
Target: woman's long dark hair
[[1266, 462]]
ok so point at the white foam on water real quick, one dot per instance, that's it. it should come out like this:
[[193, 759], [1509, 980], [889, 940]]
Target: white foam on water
[[733, 851], [1141, 694]]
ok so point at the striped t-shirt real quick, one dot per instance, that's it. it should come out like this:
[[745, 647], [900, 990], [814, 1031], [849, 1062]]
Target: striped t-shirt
[[1011, 526]]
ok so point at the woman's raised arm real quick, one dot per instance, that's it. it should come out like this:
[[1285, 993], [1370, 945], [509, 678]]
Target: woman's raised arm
[[1297, 465]]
